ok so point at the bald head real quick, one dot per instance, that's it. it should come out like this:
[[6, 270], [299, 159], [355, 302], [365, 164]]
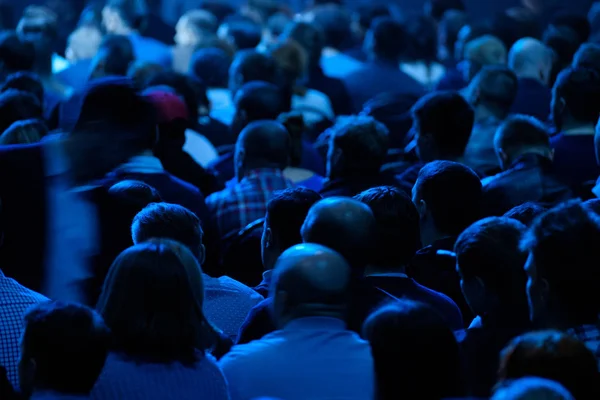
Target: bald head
[[344, 225], [263, 144], [530, 58]]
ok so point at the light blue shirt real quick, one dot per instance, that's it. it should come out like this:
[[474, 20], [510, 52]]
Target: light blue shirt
[[338, 65], [311, 358]]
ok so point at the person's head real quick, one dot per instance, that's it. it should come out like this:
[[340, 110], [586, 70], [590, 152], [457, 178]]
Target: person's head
[[286, 213], [442, 122], [577, 22], [173, 119], [196, 28], [127, 199], [530, 58], [39, 26], [519, 135], [63, 349], [398, 236], [141, 72], [16, 105], [248, 66], [531, 388], [291, 59], [15, 54], [576, 98], [121, 17], [437, 8], [344, 225], [450, 25], [83, 43], [588, 56], [169, 221], [486, 50], [241, 34], [335, 23], [387, 40], [184, 86], [114, 57], [310, 37], [466, 34], [274, 28], [24, 132], [564, 43], [256, 101], [526, 213], [448, 197], [566, 235], [211, 65], [152, 301], [422, 39], [493, 91], [490, 264], [26, 82], [552, 355], [357, 146], [262, 144], [404, 337], [309, 280]]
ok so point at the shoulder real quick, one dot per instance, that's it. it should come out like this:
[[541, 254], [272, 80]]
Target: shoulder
[[250, 353], [218, 198], [13, 292]]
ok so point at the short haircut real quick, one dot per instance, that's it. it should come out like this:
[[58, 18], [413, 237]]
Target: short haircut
[[554, 355], [588, 56], [134, 195], [390, 39], [364, 142], [286, 212], [26, 82], [310, 37], [118, 54], [489, 250], [521, 132], [498, 87], [131, 11], [260, 101], [448, 118], [202, 21], [335, 23], [398, 237], [169, 221], [183, 86], [16, 106], [567, 235], [244, 35], [211, 66], [437, 8], [24, 132], [580, 89], [69, 343], [16, 54], [453, 195], [141, 72], [526, 213], [254, 66]]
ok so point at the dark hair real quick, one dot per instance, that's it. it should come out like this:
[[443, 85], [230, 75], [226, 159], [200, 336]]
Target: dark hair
[[244, 35], [498, 87], [141, 72], [260, 101], [26, 82], [368, 12], [152, 301], [588, 56], [516, 23], [364, 143], [291, 60], [254, 66], [404, 337], [118, 54], [567, 235], [453, 195], [69, 343], [183, 86], [390, 39], [489, 250], [580, 89], [437, 8], [310, 37], [211, 66], [15, 54], [134, 195], [564, 42], [423, 39], [24, 132], [16, 106], [335, 23], [521, 132], [552, 355], [286, 213], [526, 213], [448, 118], [577, 22], [398, 237], [132, 12]]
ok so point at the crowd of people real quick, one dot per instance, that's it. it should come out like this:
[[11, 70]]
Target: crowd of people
[[324, 203]]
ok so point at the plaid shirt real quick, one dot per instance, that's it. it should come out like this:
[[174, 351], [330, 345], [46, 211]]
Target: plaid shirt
[[14, 301], [239, 205], [590, 335]]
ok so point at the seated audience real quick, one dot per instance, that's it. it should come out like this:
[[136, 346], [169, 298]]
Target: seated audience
[[404, 337], [483, 51], [448, 199], [398, 240], [526, 213], [313, 354], [490, 265], [523, 147], [552, 355], [575, 108], [196, 29], [16, 105], [63, 350], [451, 22], [242, 33], [114, 57], [152, 301], [531, 60], [491, 94], [24, 132], [261, 154], [25, 82], [566, 235], [357, 150], [16, 55], [531, 388], [588, 56]]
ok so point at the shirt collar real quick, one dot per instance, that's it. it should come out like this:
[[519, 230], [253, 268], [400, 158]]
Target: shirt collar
[[316, 323]]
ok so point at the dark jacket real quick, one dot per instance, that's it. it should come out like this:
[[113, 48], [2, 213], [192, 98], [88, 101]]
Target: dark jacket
[[333, 88], [350, 187], [529, 179], [533, 98]]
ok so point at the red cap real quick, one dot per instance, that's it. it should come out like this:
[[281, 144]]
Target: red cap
[[169, 106]]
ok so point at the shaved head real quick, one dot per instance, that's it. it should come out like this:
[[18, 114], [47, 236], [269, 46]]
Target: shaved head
[[530, 57], [262, 144]]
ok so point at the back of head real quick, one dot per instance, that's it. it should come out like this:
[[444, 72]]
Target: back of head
[[26, 82], [552, 355], [291, 59], [494, 87], [422, 35], [263, 144], [521, 134], [244, 35], [17, 106], [201, 21], [564, 43], [132, 196], [588, 56], [250, 65], [114, 56], [390, 39], [579, 89], [451, 193], [15, 54], [531, 388], [529, 54], [64, 347], [526, 213], [404, 337], [259, 101], [397, 220], [310, 37], [335, 23], [485, 50], [344, 225], [445, 119], [437, 8], [367, 13], [24, 132], [577, 22], [358, 146], [211, 66]]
